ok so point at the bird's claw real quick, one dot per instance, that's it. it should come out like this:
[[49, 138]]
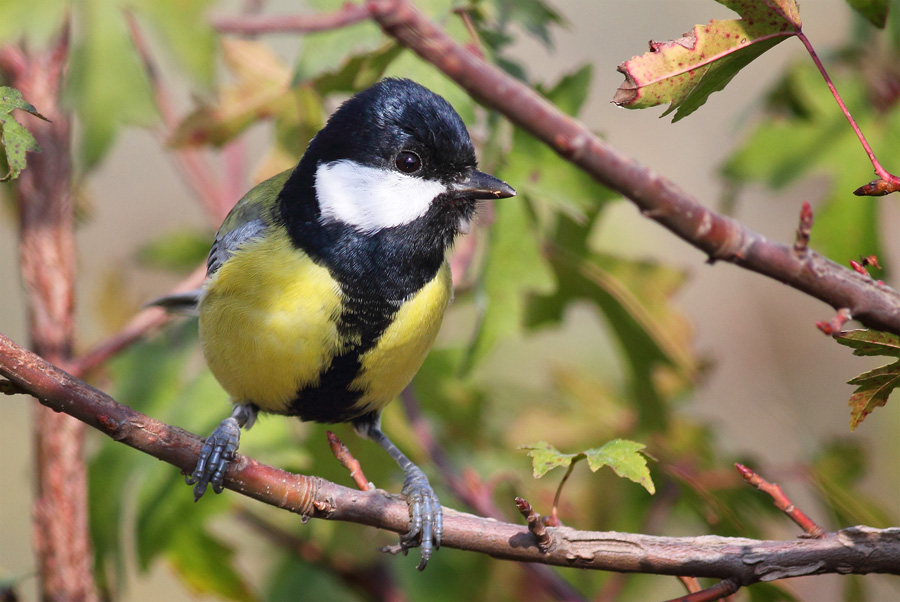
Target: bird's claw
[[217, 452], [426, 524]]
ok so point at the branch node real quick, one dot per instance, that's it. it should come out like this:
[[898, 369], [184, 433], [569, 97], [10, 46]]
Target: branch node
[[541, 536], [801, 242], [782, 502], [833, 327]]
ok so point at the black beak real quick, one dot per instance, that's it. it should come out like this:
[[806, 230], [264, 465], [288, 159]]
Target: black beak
[[478, 186]]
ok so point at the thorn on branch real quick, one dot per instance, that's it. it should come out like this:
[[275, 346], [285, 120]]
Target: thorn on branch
[[801, 243], [833, 327], [347, 460], [879, 187], [782, 502], [720, 590], [541, 536]]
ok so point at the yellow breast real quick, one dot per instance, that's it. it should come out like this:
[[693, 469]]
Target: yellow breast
[[268, 322], [389, 366]]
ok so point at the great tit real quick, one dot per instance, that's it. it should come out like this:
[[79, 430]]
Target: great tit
[[327, 284]]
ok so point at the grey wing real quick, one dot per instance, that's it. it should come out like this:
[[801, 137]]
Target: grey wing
[[228, 242]]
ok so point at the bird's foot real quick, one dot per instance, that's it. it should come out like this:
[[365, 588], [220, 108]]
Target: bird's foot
[[217, 452], [426, 523]]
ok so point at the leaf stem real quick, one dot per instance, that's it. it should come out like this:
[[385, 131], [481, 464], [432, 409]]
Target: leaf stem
[[882, 172], [554, 514]]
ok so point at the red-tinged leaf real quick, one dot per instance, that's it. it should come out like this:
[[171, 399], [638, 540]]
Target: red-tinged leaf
[[870, 342], [873, 387], [684, 72]]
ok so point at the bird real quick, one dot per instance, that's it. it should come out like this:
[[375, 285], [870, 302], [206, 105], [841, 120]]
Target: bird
[[326, 284]]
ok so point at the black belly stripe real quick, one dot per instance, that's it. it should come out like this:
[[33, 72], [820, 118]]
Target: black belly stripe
[[377, 272]]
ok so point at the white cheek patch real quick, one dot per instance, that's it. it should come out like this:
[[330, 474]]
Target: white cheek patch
[[372, 199]]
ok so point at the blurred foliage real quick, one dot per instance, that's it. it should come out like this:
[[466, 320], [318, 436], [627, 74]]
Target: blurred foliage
[[501, 378]]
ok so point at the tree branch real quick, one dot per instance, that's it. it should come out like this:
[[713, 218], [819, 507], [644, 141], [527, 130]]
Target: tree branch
[[873, 304], [746, 561]]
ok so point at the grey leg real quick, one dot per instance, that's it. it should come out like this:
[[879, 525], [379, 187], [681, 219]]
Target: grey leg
[[425, 511], [219, 449]]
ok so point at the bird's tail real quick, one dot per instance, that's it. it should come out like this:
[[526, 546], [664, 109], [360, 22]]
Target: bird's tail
[[186, 302]]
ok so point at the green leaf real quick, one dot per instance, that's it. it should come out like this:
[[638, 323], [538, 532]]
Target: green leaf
[[107, 83], [15, 140], [206, 565], [874, 11], [545, 457], [875, 386], [623, 456], [684, 72]]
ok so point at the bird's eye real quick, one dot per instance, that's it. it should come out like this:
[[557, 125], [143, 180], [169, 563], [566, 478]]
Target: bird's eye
[[408, 162]]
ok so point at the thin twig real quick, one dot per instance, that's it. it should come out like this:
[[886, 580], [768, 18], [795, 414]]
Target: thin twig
[[554, 511], [720, 590], [782, 502], [347, 460], [833, 327], [541, 536], [691, 584]]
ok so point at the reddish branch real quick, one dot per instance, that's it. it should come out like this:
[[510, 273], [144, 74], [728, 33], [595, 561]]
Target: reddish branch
[[720, 590], [47, 258], [252, 25], [347, 460], [721, 238], [782, 502], [853, 550]]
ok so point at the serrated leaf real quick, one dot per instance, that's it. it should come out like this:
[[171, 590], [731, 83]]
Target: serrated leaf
[[15, 140], [870, 342], [874, 11], [684, 72], [107, 83], [875, 386], [622, 455]]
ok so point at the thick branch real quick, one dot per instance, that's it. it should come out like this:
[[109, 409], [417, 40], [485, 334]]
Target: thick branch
[[252, 25], [853, 550], [721, 238]]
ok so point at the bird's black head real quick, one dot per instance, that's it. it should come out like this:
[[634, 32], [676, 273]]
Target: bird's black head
[[394, 162]]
